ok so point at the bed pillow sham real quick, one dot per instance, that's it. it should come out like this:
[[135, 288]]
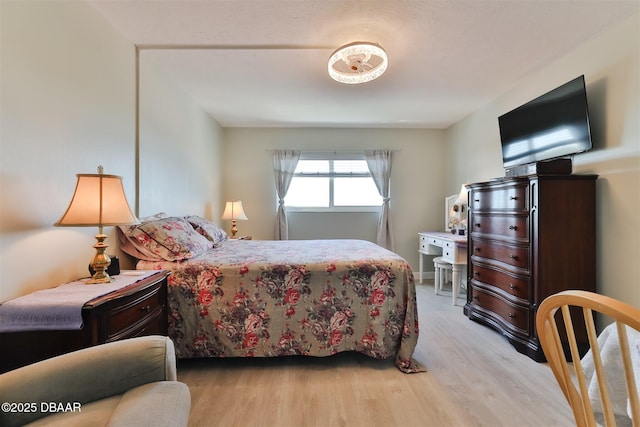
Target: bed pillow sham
[[208, 229], [168, 239]]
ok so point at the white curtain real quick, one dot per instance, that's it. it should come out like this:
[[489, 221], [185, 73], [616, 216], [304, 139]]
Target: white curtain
[[284, 164], [379, 162]]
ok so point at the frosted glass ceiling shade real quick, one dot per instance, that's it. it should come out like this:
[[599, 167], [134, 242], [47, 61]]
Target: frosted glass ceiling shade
[[357, 62]]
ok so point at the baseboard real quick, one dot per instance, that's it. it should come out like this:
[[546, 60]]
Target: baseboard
[[427, 275]]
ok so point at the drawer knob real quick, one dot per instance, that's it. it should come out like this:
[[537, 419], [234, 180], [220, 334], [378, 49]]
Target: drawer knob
[[476, 273], [512, 256], [513, 227], [146, 308], [478, 225], [476, 200], [476, 249], [511, 315], [512, 286], [513, 198]]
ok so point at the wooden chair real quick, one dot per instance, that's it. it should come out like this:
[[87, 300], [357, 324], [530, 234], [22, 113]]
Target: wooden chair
[[627, 353]]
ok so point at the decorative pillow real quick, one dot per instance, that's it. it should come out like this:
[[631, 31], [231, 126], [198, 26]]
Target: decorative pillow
[[169, 239], [128, 245], [208, 229], [157, 216]]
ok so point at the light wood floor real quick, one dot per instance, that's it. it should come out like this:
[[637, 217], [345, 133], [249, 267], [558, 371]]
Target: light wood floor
[[474, 378]]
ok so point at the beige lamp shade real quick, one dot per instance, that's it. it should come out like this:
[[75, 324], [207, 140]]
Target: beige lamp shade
[[463, 196], [98, 200], [234, 211]]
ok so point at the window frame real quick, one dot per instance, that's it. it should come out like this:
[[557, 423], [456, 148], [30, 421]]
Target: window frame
[[333, 156]]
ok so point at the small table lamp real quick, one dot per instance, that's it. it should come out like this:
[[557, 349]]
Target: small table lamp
[[234, 212], [98, 200], [458, 207], [462, 199]]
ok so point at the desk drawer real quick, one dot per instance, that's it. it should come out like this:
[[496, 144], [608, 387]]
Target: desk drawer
[[426, 241], [423, 243], [433, 241], [448, 251]]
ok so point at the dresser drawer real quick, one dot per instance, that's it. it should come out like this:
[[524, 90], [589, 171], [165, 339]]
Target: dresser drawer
[[135, 315], [511, 196], [499, 252], [512, 286], [510, 316], [515, 227]]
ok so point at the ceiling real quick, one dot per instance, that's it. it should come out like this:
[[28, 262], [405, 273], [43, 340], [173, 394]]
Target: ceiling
[[264, 63]]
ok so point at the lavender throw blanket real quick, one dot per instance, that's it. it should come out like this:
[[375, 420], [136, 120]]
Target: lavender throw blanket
[[59, 308]]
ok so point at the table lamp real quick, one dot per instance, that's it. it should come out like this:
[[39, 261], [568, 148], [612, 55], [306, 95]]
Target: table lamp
[[98, 200], [233, 211], [458, 207]]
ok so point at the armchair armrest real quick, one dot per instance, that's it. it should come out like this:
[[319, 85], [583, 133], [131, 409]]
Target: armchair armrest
[[89, 374]]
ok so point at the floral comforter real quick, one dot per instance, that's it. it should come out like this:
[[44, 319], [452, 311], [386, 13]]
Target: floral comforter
[[252, 298]]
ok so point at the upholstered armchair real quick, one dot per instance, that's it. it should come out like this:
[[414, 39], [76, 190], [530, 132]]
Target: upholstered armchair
[[125, 383]]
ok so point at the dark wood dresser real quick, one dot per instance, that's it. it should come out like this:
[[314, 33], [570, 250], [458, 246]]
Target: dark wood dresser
[[529, 237], [135, 310]]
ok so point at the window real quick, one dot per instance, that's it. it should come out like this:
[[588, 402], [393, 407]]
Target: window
[[332, 184]]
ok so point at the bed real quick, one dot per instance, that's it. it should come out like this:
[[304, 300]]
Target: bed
[[253, 298]]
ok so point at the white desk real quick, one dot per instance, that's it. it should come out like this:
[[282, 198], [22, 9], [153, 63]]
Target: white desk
[[453, 249]]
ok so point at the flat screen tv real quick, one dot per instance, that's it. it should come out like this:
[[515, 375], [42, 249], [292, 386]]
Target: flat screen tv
[[551, 126]]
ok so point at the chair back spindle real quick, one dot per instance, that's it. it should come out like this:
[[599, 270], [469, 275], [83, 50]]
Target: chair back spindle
[[603, 386]]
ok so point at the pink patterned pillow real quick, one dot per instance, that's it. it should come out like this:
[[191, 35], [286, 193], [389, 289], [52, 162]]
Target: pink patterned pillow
[[207, 229], [169, 239]]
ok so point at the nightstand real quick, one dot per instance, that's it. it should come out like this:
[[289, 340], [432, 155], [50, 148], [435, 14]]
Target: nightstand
[[135, 310]]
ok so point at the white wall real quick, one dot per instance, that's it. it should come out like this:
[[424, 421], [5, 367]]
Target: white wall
[[67, 106], [67, 80], [417, 181], [180, 150], [610, 63]]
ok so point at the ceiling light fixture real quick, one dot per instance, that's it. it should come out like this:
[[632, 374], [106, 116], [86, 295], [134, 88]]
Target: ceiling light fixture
[[357, 62]]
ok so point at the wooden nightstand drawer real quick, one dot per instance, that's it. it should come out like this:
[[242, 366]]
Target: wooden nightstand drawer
[[136, 313]]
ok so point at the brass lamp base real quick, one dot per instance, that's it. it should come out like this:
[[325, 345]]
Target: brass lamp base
[[100, 261], [234, 228]]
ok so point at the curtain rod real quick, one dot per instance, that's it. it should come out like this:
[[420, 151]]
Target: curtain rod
[[333, 151]]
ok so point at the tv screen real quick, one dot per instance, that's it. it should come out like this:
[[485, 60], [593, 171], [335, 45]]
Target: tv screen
[[553, 125]]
